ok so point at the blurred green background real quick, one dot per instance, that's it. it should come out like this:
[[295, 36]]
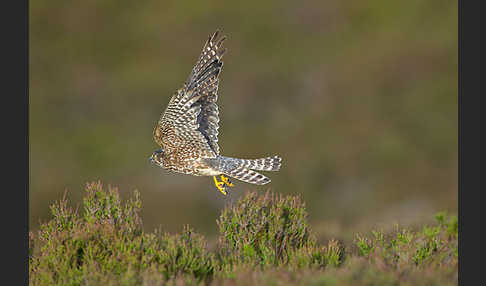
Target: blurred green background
[[358, 97]]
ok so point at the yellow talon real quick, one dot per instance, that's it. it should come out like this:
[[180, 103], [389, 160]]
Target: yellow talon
[[227, 181], [220, 185]]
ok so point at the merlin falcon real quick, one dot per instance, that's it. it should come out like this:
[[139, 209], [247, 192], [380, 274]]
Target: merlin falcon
[[187, 131]]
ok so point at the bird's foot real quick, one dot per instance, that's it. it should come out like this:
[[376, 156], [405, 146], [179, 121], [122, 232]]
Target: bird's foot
[[227, 181], [220, 185]]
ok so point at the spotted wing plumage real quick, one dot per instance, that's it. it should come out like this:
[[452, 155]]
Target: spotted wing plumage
[[190, 121], [204, 81]]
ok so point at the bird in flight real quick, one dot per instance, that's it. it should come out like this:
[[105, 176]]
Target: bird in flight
[[187, 130]]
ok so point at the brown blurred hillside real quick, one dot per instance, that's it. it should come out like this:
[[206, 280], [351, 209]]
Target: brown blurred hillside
[[358, 97]]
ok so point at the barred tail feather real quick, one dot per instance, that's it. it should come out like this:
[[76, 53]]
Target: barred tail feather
[[243, 169], [249, 176], [262, 164]]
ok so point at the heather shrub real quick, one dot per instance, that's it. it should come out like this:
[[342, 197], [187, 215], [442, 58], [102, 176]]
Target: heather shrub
[[354, 271], [404, 250], [263, 239], [270, 230], [107, 243]]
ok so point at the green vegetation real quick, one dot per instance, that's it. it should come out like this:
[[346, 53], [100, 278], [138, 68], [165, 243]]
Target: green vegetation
[[271, 231], [263, 239]]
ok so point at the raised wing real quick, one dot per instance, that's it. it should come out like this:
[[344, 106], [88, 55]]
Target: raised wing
[[204, 81], [192, 113]]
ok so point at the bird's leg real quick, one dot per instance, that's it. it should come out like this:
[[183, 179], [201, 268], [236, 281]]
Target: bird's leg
[[220, 185], [227, 181]]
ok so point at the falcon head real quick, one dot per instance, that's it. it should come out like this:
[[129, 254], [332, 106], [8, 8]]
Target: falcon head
[[156, 157]]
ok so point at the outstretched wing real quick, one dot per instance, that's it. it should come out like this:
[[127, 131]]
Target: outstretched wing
[[204, 81], [192, 113]]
